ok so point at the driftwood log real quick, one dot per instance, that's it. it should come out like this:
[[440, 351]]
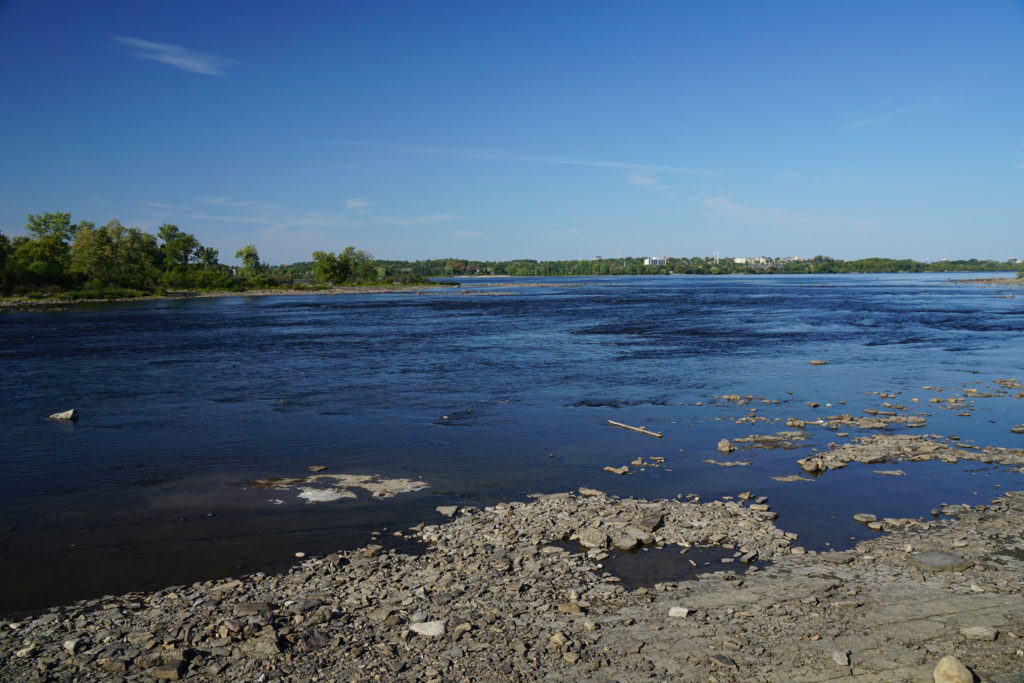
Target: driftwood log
[[642, 430]]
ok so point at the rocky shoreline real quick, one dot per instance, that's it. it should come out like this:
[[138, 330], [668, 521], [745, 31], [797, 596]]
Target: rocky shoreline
[[527, 590], [518, 591]]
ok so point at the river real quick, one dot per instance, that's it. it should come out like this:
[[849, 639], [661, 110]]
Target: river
[[486, 392]]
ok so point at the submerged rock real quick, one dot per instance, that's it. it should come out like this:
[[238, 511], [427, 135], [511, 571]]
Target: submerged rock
[[313, 490], [792, 478]]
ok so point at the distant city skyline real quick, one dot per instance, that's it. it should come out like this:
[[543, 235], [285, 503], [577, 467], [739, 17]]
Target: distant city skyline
[[529, 130]]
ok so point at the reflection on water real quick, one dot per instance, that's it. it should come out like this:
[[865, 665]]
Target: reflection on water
[[485, 398]]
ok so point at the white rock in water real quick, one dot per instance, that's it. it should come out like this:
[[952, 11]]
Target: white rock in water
[[429, 628], [950, 670], [66, 415], [313, 495]]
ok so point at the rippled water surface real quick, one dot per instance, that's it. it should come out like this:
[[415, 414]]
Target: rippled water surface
[[485, 392]]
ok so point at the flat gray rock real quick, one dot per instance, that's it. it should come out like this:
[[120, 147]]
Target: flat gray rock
[[979, 632], [837, 557], [938, 561]]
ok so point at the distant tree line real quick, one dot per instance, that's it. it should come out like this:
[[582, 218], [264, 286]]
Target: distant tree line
[[695, 265], [61, 257]]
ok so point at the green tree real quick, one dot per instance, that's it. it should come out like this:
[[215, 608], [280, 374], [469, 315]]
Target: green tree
[[350, 266], [136, 254], [5, 254], [51, 226], [206, 256], [252, 269], [45, 258], [330, 268], [177, 248], [92, 254]]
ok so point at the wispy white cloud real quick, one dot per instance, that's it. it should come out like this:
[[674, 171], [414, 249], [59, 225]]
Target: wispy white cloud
[[641, 179], [178, 57], [157, 205], [466, 233], [881, 119], [733, 215], [489, 155], [358, 204], [227, 201], [563, 232], [416, 220], [264, 220], [278, 218]]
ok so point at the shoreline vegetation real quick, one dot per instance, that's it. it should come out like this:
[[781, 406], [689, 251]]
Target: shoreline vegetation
[[64, 262]]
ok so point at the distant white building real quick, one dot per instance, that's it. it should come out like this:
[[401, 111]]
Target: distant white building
[[655, 261]]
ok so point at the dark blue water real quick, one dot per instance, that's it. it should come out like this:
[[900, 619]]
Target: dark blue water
[[183, 403]]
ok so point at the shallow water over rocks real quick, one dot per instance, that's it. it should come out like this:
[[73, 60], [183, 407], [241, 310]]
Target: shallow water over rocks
[[182, 404]]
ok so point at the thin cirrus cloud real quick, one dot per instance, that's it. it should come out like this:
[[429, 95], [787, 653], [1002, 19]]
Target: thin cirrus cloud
[[276, 217], [880, 120], [177, 56], [227, 201], [416, 220], [641, 179], [543, 159], [734, 215], [358, 204]]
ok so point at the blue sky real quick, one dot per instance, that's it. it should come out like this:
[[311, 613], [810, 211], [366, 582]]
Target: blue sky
[[499, 130]]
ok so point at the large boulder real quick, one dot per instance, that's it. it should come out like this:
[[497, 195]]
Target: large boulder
[[950, 670], [593, 538]]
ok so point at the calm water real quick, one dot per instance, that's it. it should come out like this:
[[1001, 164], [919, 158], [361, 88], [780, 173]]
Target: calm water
[[183, 403]]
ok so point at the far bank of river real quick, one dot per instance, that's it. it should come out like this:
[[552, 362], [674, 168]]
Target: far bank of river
[[476, 281]]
